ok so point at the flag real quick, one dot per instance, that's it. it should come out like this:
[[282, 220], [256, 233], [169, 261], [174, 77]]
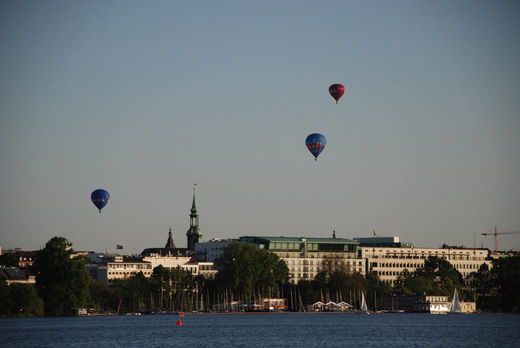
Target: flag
[[119, 246]]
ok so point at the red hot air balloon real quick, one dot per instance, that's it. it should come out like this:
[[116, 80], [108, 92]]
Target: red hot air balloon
[[336, 91]]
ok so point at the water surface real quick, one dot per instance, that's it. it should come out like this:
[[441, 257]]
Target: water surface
[[265, 330]]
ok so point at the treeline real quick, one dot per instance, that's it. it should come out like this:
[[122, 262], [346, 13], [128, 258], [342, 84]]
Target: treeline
[[246, 274], [496, 289], [19, 300]]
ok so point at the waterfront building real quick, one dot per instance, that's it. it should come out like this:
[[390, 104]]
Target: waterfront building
[[202, 268], [330, 307], [389, 262], [122, 268], [166, 261], [212, 249], [305, 256], [423, 303]]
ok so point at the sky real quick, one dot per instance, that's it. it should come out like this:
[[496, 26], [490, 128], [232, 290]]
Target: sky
[[145, 98]]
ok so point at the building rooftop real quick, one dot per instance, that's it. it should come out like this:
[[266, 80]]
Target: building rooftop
[[12, 273], [382, 242], [299, 240]]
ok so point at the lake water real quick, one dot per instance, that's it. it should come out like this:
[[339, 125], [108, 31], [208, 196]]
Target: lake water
[[265, 330]]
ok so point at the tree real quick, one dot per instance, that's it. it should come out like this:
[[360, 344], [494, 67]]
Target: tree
[[245, 270], [102, 297], [442, 272], [436, 277], [506, 271], [5, 299], [497, 289], [161, 283], [25, 300], [62, 281]]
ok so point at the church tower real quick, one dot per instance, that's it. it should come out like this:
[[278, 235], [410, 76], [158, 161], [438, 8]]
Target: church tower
[[194, 234], [169, 243]]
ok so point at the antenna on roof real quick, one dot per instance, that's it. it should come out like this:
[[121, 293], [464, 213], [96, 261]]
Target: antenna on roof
[[374, 245]]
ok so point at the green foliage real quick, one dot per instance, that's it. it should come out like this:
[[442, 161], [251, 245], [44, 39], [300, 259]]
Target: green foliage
[[335, 282], [25, 300], [5, 299], [103, 297], [167, 289], [62, 281], [246, 270], [507, 274], [19, 300], [436, 277], [497, 289]]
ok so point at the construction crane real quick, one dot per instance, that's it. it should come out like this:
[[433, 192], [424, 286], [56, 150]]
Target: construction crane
[[496, 233]]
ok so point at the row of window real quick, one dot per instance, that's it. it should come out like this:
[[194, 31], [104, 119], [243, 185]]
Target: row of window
[[312, 273], [128, 273], [417, 265], [134, 266], [466, 266], [415, 251]]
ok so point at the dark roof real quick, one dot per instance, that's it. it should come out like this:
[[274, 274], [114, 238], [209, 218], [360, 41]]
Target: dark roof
[[13, 273]]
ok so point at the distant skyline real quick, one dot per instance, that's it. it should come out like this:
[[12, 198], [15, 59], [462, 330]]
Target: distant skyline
[[144, 98]]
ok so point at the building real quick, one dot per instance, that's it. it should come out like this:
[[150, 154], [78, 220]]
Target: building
[[389, 262], [122, 268], [202, 268], [212, 250], [169, 249], [382, 242], [24, 258], [193, 236], [15, 275], [424, 304], [194, 233], [305, 256], [166, 261]]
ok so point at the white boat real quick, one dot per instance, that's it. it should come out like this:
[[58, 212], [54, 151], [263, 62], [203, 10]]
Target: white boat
[[363, 309], [455, 307]]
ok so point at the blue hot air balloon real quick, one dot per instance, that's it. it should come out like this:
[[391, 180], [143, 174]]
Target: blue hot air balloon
[[100, 198], [315, 143]]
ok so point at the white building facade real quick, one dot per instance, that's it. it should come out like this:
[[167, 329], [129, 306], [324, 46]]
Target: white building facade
[[119, 269], [389, 262]]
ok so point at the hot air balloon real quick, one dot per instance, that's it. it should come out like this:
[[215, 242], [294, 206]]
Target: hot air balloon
[[100, 198], [315, 143], [336, 91]]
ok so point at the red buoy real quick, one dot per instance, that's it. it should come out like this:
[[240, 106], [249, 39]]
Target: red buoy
[[179, 322]]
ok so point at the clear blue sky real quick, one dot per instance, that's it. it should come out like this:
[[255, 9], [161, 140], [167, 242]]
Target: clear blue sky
[[142, 98]]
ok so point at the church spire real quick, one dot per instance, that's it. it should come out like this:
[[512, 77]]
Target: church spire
[[194, 210], [194, 233], [169, 243]]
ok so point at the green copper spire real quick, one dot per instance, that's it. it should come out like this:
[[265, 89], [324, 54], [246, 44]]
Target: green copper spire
[[194, 210], [194, 233]]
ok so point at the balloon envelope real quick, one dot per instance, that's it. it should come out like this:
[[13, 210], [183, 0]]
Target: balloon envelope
[[100, 198], [315, 143], [336, 91]]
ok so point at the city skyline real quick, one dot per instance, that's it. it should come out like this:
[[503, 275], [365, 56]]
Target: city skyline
[[143, 99]]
